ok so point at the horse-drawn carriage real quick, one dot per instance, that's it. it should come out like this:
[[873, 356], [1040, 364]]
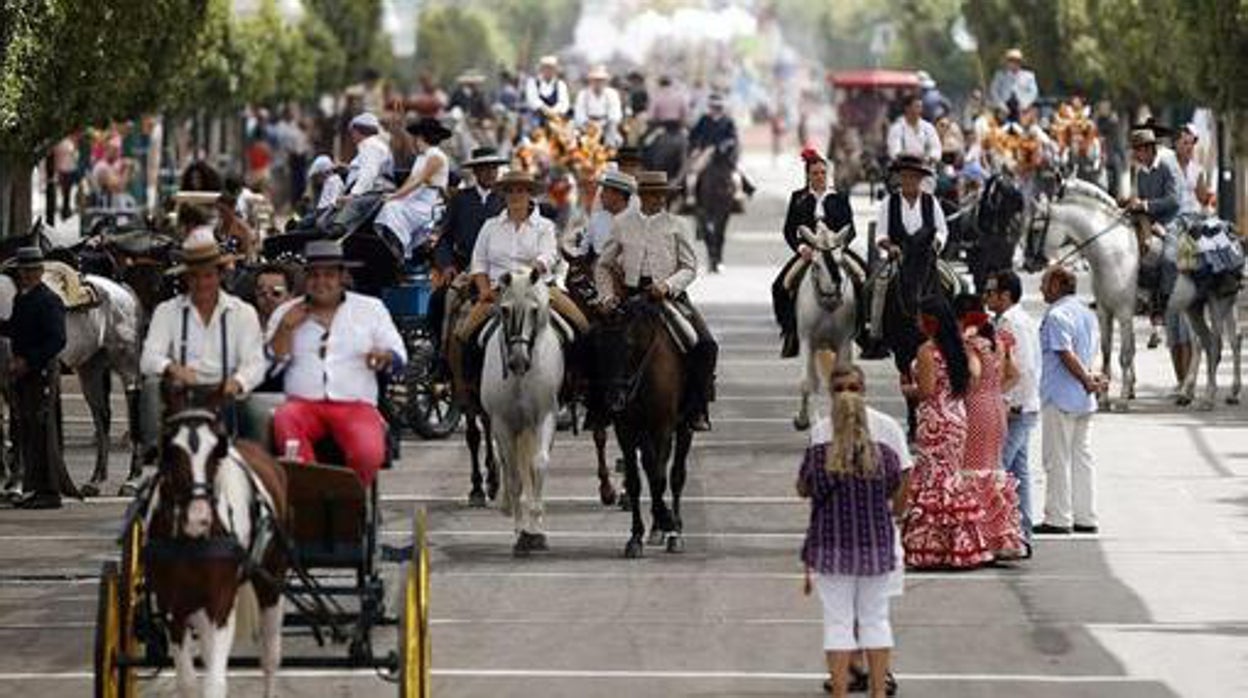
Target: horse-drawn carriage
[[334, 587], [864, 100]]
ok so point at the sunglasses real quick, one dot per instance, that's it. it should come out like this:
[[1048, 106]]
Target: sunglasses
[[275, 292]]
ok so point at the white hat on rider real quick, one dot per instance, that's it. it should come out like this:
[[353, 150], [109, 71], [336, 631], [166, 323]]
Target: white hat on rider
[[548, 62], [366, 121], [321, 165], [599, 72], [619, 181], [200, 249]]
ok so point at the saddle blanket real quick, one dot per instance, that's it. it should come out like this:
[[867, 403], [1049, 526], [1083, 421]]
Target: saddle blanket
[[678, 327], [66, 282]]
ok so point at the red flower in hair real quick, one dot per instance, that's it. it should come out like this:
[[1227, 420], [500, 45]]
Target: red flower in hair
[[809, 155]]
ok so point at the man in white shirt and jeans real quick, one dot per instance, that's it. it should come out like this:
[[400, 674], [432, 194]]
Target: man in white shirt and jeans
[[332, 343], [1003, 294], [913, 135]]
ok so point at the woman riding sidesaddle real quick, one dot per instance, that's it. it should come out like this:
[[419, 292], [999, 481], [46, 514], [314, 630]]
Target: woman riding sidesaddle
[[817, 202]]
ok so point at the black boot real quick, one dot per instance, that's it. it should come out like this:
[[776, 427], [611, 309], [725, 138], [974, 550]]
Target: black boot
[[791, 345]]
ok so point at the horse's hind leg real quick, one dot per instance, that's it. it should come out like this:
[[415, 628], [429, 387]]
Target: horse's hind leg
[[215, 644], [491, 463], [632, 486], [184, 661], [680, 471], [1126, 356], [93, 378], [1230, 329], [801, 421], [271, 649], [606, 491], [472, 434]]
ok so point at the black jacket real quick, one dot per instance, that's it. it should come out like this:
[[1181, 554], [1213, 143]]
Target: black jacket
[[37, 327], [836, 214], [465, 215]]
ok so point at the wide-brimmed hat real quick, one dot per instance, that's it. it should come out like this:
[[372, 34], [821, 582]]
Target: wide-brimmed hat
[[516, 178], [1014, 54], [26, 258], [429, 128], [366, 121], [628, 152], [321, 165], [548, 62], [913, 163], [599, 72], [652, 180], [1143, 137], [485, 156], [326, 253], [715, 100], [471, 77], [200, 249], [614, 179]]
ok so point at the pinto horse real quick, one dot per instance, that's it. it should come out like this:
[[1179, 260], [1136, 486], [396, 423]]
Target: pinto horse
[[214, 519], [647, 384]]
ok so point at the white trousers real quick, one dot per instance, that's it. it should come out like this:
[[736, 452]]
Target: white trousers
[[855, 600], [1070, 483]]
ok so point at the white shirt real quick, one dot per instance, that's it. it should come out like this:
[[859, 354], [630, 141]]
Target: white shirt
[[535, 88], [372, 160], [244, 343], [603, 107], [1007, 83], [1188, 203], [361, 324], [330, 191], [1026, 392], [912, 219], [921, 140], [504, 247], [597, 231]]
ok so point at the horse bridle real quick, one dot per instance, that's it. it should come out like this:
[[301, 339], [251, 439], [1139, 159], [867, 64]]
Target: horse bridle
[[511, 338], [827, 297]]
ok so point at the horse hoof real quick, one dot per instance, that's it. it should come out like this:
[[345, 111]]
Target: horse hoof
[[91, 489], [128, 489], [1182, 401], [801, 423], [675, 543], [607, 494], [521, 548], [656, 537], [625, 503], [537, 541], [634, 549], [1232, 400], [476, 499], [492, 489], [1204, 405]]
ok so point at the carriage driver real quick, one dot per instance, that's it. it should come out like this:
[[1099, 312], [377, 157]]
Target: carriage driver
[[910, 226], [201, 340], [517, 238], [332, 343], [650, 251]]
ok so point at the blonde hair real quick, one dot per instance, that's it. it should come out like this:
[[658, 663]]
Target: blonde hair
[[852, 451]]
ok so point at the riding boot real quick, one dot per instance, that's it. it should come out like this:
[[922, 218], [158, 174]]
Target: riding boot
[[700, 390]]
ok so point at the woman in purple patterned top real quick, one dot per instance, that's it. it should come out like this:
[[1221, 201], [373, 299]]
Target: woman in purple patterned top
[[852, 483]]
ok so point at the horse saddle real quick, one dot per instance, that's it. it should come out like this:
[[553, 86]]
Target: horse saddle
[[679, 327], [65, 281]]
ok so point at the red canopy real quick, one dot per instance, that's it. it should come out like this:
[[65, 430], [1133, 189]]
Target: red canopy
[[867, 78]]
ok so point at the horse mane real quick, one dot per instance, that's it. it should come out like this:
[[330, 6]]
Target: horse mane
[[1092, 194]]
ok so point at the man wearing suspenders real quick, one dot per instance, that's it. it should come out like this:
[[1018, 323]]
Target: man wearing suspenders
[[201, 340]]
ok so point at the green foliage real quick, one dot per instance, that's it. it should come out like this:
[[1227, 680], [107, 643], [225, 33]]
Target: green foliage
[[453, 38], [357, 26], [65, 63], [925, 41]]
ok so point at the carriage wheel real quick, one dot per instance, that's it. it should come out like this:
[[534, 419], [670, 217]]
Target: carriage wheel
[[414, 649], [108, 634], [431, 410]]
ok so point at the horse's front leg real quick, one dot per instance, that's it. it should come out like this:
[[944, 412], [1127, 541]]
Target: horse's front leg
[[680, 471], [271, 648], [632, 487], [183, 659], [1105, 320], [93, 379], [606, 491], [214, 645], [472, 434], [801, 421], [491, 463], [655, 458], [1126, 357], [1231, 330]]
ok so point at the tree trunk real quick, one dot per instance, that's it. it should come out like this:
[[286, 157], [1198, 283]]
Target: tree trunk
[[15, 195]]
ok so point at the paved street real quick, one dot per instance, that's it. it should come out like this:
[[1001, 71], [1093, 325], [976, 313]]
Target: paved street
[[1152, 607]]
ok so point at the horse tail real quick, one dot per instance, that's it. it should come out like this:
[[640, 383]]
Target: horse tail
[[246, 616]]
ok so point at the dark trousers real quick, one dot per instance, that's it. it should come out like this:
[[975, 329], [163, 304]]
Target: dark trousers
[[36, 396], [782, 301], [701, 358]]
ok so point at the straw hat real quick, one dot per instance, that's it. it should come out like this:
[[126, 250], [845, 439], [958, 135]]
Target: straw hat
[[619, 181], [516, 178], [1014, 54], [484, 156], [652, 181], [912, 163], [200, 249], [599, 72], [1143, 137]]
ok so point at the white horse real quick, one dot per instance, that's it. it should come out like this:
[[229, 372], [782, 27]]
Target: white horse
[[520, 381], [1090, 219], [826, 314], [1214, 316], [100, 339]]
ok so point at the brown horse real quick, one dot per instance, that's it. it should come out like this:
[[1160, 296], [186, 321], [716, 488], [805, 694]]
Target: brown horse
[[584, 292], [467, 392], [647, 383], [215, 517]]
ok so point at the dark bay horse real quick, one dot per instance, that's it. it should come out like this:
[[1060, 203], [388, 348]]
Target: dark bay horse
[[213, 562], [714, 198], [646, 387], [465, 370]]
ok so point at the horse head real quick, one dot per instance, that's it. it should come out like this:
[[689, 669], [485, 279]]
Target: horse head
[[826, 243], [628, 340], [192, 449], [524, 310]]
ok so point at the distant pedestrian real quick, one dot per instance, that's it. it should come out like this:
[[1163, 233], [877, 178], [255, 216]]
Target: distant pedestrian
[[854, 478], [1004, 295], [37, 331], [1068, 387]]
